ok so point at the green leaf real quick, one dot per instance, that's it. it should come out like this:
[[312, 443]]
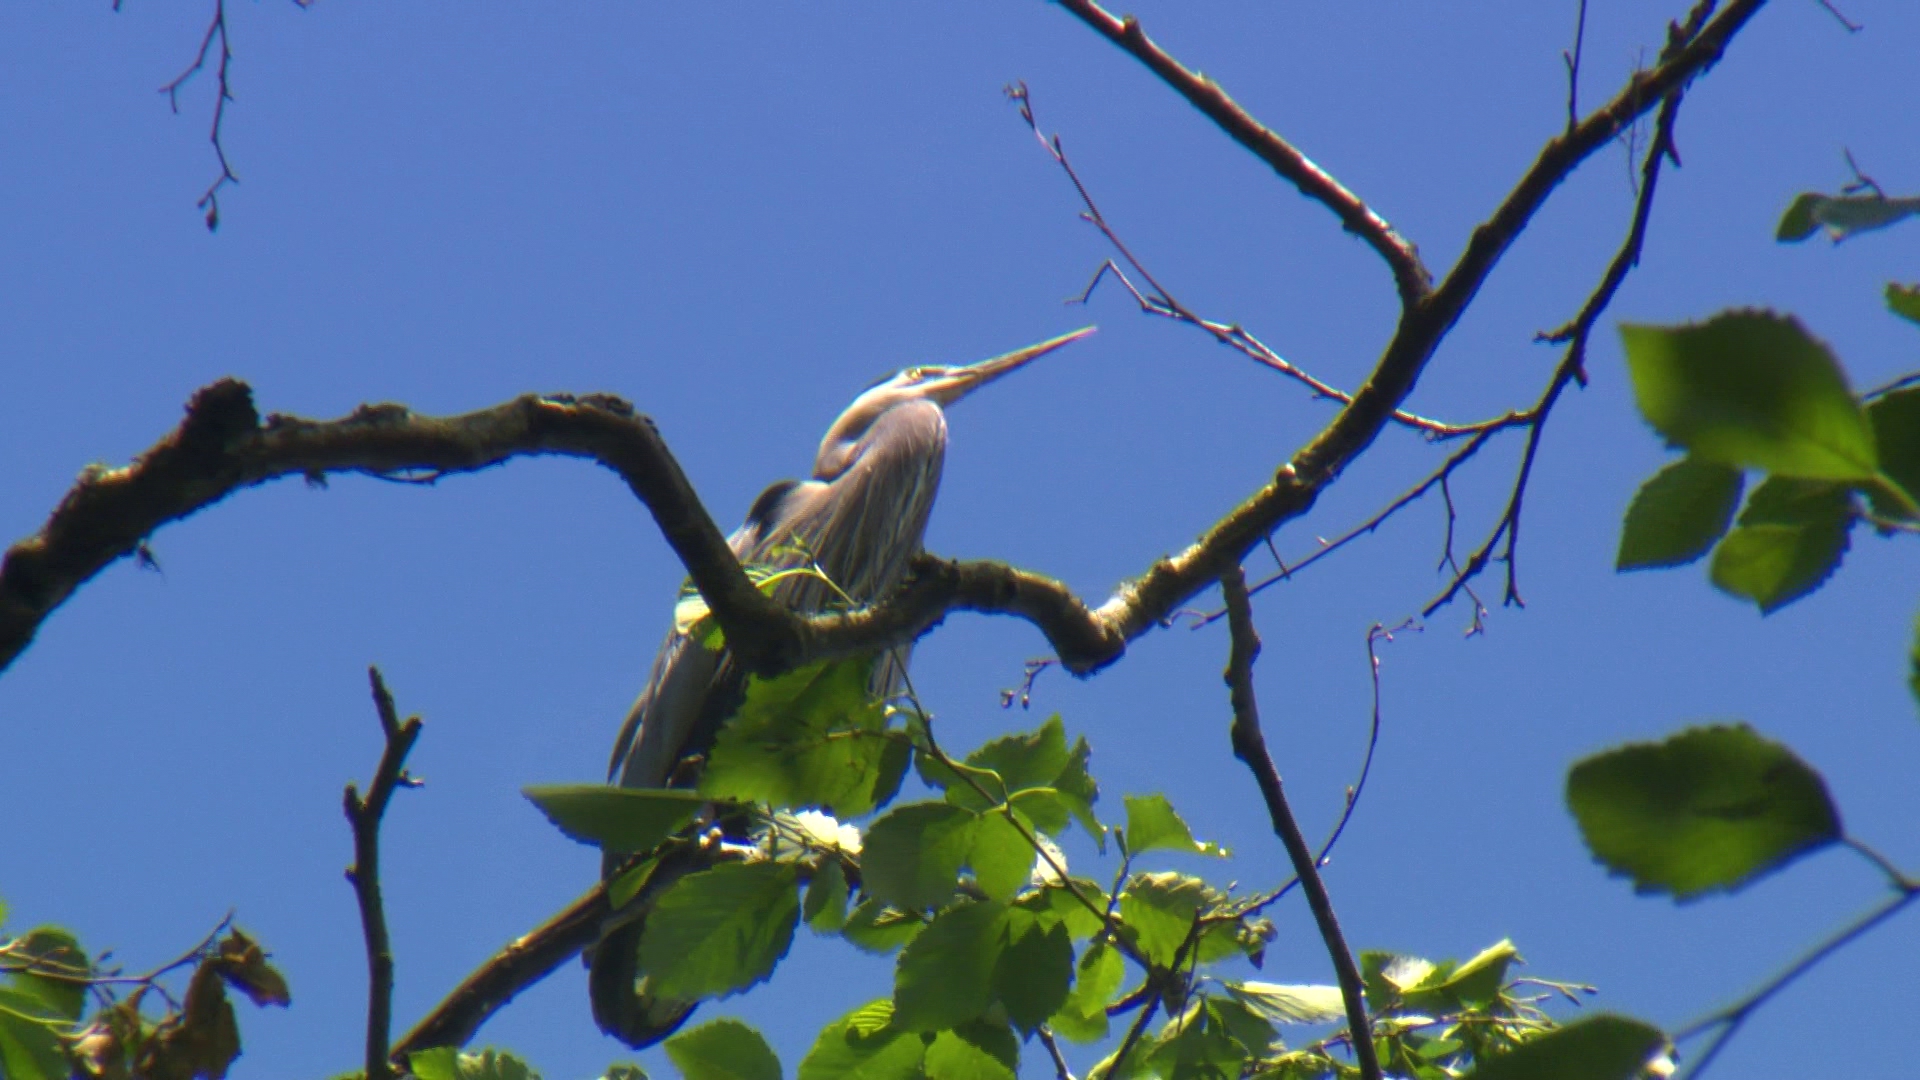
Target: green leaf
[[877, 928], [1791, 538], [1841, 215], [1751, 390], [619, 820], [29, 1038], [433, 1063], [1601, 1047], [56, 952], [1001, 857], [811, 737], [1676, 516], [624, 1070], [863, 1045], [1046, 808], [721, 930], [1904, 301], [1161, 910], [1195, 1044], [913, 854], [826, 907], [1153, 825], [1058, 904], [1479, 980], [976, 1050], [1290, 1004], [1896, 434], [964, 785], [627, 884], [723, 1050], [1097, 977], [1078, 788], [1710, 808], [945, 976], [1913, 664], [1029, 760], [1034, 968]]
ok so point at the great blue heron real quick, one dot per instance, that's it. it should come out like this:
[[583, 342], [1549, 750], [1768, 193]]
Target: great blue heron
[[861, 518]]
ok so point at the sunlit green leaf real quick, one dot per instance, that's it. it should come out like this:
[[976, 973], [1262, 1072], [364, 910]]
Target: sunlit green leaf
[[1097, 977], [1710, 808], [1790, 539], [1290, 1004], [627, 883], [826, 906], [1079, 790], [1026, 760], [619, 820], [1479, 980], [721, 930], [877, 928], [723, 1050], [447, 1063], [811, 737], [1602, 1047], [913, 853], [1162, 910], [433, 1063], [1034, 969], [1001, 857], [945, 976], [1841, 216], [1196, 1044], [1045, 807], [1751, 390], [976, 1050], [863, 1045], [1057, 903], [1676, 516], [1153, 825]]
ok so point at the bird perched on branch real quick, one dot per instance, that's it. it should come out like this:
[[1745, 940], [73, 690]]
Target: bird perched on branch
[[860, 520]]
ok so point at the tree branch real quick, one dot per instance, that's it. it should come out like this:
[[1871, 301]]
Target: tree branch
[[1250, 746], [523, 962], [364, 816], [1409, 273]]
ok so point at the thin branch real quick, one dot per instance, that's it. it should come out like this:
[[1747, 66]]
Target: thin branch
[[1159, 301], [364, 815], [1250, 746], [1575, 336], [210, 201], [1060, 1069], [1409, 273], [1730, 1020], [521, 963], [1572, 60]]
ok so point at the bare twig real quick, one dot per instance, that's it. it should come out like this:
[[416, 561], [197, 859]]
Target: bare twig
[[217, 28], [1409, 273], [364, 815], [1572, 60], [1730, 1020], [1575, 335], [1157, 300], [1852, 27], [1250, 746]]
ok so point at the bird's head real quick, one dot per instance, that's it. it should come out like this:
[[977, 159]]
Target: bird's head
[[940, 384]]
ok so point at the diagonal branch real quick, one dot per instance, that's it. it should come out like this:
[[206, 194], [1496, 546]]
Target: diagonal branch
[[1250, 746], [1409, 273]]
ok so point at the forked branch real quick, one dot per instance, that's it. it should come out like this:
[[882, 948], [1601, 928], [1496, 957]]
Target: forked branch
[[364, 814]]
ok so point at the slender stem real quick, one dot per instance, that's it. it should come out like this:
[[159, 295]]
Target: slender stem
[[1250, 746], [364, 816], [1060, 1069]]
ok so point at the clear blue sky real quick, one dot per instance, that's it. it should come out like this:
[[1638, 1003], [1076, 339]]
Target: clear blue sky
[[736, 216]]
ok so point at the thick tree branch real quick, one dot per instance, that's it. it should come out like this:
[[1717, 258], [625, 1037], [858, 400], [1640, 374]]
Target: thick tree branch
[[1250, 746], [222, 447], [364, 815], [1409, 273]]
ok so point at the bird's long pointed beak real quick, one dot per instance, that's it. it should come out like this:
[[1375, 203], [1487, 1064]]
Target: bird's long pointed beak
[[962, 381]]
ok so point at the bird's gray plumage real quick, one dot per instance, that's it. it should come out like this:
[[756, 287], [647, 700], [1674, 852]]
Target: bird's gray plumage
[[861, 518]]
